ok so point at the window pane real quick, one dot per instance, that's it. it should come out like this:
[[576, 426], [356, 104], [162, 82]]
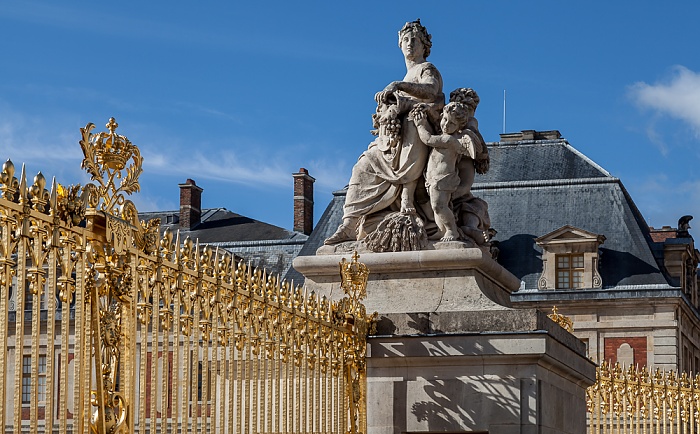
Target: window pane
[[562, 261], [563, 279], [578, 279], [42, 364], [26, 389], [577, 261], [42, 389], [27, 365]]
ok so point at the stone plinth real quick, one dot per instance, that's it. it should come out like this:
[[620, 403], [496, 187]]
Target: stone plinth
[[449, 356], [513, 371], [421, 281]]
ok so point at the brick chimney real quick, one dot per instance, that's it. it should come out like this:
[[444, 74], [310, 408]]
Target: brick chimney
[[303, 201], [190, 205]]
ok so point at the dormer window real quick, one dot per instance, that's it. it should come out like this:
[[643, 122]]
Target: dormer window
[[570, 271], [570, 259]]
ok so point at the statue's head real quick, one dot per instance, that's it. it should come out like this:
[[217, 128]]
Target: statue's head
[[419, 30], [454, 117]]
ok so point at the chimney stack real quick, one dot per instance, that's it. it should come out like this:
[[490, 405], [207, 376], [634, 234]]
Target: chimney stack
[[190, 205], [303, 201]]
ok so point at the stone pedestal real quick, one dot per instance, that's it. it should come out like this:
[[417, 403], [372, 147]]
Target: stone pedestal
[[421, 281], [450, 357]]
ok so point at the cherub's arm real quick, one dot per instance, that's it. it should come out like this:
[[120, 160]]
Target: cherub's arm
[[435, 141]]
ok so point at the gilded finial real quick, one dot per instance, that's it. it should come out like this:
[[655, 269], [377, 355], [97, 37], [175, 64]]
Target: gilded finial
[[354, 276], [112, 125], [563, 320]]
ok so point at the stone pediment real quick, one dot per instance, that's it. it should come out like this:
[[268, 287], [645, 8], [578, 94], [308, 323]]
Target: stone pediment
[[569, 233]]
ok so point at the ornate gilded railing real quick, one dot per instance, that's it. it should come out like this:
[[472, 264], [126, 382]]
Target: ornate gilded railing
[[110, 327], [640, 401]]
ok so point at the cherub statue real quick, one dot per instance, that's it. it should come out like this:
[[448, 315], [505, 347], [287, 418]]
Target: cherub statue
[[441, 174]]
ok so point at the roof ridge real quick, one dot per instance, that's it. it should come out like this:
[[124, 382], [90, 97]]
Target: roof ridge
[[528, 142], [586, 159], [543, 183]]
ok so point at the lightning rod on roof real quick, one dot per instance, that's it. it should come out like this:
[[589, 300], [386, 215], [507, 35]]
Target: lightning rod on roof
[[504, 111]]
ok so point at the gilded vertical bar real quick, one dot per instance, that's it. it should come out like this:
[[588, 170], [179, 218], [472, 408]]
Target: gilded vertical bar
[[277, 369], [153, 350], [6, 268], [197, 370], [267, 392], [177, 357], [51, 372], [239, 390], [165, 373], [36, 321], [186, 371], [19, 332], [143, 345], [63, 379], [81, 357]]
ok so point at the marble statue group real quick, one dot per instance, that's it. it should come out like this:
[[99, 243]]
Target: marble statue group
[[412, 186]]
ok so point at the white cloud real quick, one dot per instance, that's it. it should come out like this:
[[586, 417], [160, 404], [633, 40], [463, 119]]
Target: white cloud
[[677, 97], [221, 166], [48, 148]]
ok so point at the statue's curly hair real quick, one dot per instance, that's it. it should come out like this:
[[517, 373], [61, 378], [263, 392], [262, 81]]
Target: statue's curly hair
[[417, 28], [465, 95]]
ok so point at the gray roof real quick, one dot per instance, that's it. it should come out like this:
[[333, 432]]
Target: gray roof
[[537, 186], [261, 244]]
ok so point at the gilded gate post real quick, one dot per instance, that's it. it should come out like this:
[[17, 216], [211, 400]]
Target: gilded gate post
[[113, 227], [354, 276]]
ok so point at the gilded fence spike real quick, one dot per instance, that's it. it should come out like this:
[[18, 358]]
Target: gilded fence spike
[[40, 196], [23, 193], [8, 182], [53, 197]]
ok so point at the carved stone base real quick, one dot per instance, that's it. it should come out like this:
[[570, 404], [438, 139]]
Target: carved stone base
[[511, 371], [424, 281]]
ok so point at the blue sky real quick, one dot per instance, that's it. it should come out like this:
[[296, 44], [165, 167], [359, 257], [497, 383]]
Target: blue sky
[[239, 95]]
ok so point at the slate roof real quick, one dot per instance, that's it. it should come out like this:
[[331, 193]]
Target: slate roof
[[537, 186], [260, 243]]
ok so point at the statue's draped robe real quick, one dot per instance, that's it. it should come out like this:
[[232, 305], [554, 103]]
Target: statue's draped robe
[[381, 171]]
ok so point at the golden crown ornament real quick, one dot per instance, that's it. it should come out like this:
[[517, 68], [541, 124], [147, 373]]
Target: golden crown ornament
[[106, 157]]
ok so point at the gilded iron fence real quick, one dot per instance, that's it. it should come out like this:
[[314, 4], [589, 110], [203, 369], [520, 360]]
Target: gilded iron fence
[[637, 400], [111, 327]]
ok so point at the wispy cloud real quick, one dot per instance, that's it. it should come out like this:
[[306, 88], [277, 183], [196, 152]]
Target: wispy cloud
[[51, 145], [29, 140], [677, 97], [220, 166]]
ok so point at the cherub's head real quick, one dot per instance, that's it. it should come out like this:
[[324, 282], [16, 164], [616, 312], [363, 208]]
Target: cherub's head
[[467, 96], [454, 117]]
